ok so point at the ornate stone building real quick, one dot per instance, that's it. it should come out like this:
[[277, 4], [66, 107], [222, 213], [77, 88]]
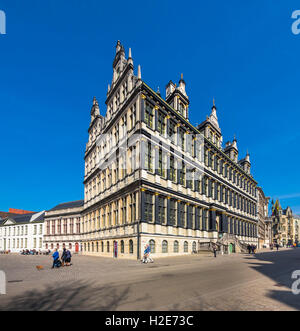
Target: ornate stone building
[[263, 228], [62, 226], [151, 176], [286, 229]]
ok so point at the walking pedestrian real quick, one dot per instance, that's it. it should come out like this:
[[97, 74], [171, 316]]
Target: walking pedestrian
[[214, 247], [277, 246], [249, 248]]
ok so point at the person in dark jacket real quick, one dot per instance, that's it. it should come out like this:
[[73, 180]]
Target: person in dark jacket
[[55, 256], [214, 247], [64, 256], [249, 248], [68, 258]]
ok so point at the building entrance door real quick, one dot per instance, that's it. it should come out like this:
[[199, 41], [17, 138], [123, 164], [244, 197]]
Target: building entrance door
[[115, 249], [231, 248], [76, 247]]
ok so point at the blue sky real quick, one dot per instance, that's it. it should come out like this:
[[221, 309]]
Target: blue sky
[[57, 55]]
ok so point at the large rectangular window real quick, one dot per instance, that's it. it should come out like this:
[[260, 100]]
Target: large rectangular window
[[172, 169], [171, 132], [149, 115], [161, 124], [182, 214], [172, 216], [148, 207], [161, 164], [161, 210], [148, 158], [182, 174]]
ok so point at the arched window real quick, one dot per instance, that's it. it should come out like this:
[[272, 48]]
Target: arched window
[[102, 246], [176, 246], [130, 246], [186, 247], [107, 245], [194, 246], [97, 247], [164, 246], [152, 245], [122, 246]]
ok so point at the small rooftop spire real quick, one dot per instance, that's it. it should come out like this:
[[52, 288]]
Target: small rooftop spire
[[158, 91], [139, 75], [129, 54]]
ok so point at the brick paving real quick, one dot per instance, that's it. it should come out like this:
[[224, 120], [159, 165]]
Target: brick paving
[[200, 282]]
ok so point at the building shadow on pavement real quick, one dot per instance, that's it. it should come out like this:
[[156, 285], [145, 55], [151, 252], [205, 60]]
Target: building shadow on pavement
[[71, 296], [279, 266]]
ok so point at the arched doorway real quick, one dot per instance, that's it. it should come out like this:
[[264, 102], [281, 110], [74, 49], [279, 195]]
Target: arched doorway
[[231, 248], [76, 247], [115, 249]]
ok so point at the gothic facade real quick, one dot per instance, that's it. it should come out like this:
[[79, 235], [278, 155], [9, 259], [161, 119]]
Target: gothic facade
[[151, 176], [285, 225]]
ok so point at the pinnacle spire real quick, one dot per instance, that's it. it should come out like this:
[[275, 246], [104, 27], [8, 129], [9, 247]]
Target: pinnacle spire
[[139, 75]]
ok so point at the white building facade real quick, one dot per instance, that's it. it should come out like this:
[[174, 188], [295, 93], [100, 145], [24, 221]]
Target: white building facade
[[22, 232]]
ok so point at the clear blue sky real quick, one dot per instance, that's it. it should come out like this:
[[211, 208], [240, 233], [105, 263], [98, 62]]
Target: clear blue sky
[[57, 55]]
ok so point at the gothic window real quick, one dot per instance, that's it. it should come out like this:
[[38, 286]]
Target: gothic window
[[176, 246], [164, 246], [186, 247], [152, 246], [130, 246]]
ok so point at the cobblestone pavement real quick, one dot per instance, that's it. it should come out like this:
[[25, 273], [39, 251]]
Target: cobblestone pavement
[[200, 282]]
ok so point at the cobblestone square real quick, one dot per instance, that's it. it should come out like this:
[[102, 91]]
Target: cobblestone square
[[200, 282]]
